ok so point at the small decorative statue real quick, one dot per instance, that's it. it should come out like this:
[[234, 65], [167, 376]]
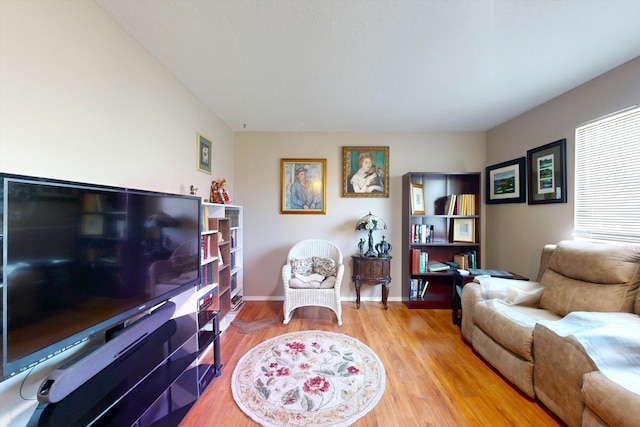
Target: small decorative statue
[[383, 248], [224, 194], [215, 196], [361, 246], [193, 190]]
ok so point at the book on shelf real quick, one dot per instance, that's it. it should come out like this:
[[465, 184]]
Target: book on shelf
[[416, 261], [472, 256], [460, 204], [424, 288], [417, 288], [205, 218], [436, 266], [462, 260], [419, 261]]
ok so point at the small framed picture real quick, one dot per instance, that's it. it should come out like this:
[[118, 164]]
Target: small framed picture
[[417, 199], [548, 173], [303, 186], [505, 182], [365, 171], [204, 153], [464, 230]]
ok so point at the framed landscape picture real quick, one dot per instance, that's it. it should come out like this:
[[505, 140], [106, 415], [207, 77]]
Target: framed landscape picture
[[548, 173], [303, 186], [505, 182], [365, 171]]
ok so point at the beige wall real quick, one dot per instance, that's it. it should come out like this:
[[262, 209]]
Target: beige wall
[[269, 235], [80, 100], [516, 233]]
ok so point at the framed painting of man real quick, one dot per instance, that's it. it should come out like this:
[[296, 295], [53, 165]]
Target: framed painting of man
[[303, 186]]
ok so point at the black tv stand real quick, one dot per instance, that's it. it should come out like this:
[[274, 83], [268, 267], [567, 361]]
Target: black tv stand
[[154, 383]]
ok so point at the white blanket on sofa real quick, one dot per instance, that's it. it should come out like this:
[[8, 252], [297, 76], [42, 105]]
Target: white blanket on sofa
[[611, 340], [510, 291]]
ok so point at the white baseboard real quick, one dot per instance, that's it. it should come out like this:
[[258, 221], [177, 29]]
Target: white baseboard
[[343, 299]]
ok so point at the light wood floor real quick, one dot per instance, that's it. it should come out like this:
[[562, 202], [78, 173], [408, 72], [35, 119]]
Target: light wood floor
[[434, 378]]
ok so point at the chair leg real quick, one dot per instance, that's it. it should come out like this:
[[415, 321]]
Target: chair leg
[[287, 316]]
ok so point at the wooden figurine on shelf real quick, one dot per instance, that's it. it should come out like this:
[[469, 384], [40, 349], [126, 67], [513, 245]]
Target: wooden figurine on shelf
[[215, 194], [224, 194]]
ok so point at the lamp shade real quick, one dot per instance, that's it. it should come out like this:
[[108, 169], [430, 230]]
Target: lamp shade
[[371, 222]]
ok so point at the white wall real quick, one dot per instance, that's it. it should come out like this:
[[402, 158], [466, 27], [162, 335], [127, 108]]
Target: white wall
[[516, 233], [269, 235], [83, 101], [80, 100]]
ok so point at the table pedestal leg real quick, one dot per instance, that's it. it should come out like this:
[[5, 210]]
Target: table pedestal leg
[[385, 294]]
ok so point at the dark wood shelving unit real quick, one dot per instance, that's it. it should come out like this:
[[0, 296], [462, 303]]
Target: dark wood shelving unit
[[437, 186]]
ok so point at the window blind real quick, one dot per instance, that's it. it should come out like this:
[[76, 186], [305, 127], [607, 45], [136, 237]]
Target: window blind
[[607, 181]]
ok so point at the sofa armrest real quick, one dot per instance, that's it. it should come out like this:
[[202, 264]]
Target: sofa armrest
[[471, 295], [613, 403]]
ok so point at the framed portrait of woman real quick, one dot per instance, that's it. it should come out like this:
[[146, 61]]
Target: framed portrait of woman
[[365, 171], [303, 186]]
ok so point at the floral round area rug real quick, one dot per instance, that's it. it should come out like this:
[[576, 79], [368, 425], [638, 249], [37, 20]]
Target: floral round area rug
[[308, 378]]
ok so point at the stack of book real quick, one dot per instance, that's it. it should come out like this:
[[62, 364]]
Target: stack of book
[[236, 303], [460, 204], [421, 233], [417, 288], [419, 261], [466, 259]]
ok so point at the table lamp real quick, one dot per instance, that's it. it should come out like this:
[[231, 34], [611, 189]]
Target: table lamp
[[371, 222]]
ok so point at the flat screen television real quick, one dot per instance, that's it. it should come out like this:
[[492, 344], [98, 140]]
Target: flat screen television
[[78, 259]]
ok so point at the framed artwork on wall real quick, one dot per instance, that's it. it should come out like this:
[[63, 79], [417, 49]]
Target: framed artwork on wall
[[547, 166], [464, 230], [365, 171], [505, 182], [303, 186], [204, 153], [417, 199]]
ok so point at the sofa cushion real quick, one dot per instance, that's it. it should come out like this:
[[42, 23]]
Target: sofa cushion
[[585, 276], [327, 283], [515, 369], [510, 325]]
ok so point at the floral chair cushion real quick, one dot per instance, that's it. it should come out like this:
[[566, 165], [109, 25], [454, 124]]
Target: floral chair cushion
[[324, 266], [302, 266]]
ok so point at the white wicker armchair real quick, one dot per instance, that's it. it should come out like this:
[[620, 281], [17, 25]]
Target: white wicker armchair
[[324, 294]]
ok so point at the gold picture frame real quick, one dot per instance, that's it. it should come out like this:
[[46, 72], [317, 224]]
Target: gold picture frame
[[303, 184], [365, 171], [417, 199], [464, 230]]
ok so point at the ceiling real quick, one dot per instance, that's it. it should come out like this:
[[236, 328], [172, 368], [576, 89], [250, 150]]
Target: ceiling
[[380, 65]]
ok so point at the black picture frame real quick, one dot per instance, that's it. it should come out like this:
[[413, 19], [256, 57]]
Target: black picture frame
[[505, 182], [547, 169]]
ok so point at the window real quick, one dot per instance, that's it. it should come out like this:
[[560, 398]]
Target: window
[[607, 192]]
